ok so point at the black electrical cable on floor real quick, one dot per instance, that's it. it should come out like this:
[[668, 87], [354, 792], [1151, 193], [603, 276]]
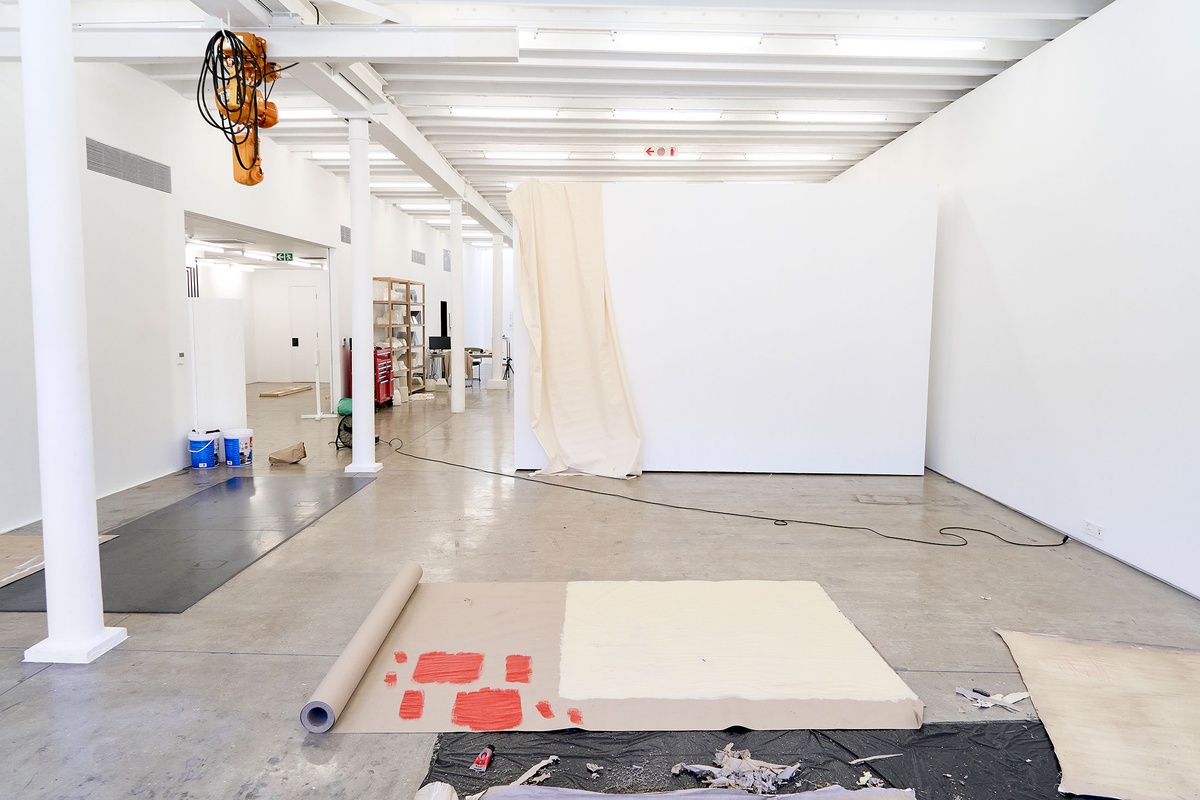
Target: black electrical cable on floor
[[962, 541]]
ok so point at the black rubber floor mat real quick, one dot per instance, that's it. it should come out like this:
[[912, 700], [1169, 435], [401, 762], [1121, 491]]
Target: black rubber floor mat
[[166, 561], [963, 761]]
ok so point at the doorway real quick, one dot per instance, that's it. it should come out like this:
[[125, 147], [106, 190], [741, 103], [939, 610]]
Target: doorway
[[280, 289]]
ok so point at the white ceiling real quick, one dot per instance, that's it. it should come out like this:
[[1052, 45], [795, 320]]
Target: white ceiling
[[772, 90]]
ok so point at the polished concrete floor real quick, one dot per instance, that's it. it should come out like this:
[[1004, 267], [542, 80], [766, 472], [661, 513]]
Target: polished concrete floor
[[205, 704]]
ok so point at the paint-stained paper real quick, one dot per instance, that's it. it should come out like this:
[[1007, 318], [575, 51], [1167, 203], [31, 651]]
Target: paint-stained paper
[[489, 657]]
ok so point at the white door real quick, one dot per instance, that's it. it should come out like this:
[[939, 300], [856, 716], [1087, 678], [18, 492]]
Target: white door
[[304, 343]]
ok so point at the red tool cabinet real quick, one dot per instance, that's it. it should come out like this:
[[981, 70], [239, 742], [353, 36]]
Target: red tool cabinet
[[384, 388], [383, 375]]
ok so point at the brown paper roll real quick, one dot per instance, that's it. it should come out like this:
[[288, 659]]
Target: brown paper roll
[[343, 677]]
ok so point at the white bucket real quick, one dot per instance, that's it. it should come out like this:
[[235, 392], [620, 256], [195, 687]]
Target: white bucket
[[239, 446], [203, 449]]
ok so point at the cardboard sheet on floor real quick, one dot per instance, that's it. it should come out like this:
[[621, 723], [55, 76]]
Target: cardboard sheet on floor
[[1123, 717], [22, 555], [623, 656], [166, 561], [284, 392]]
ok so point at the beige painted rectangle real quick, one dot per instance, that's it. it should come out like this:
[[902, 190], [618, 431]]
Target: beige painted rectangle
[[704, 640], [1123, 718], [498, 620]]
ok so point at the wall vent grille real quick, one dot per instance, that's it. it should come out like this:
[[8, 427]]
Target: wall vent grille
[[418, 257], [446, 260], [345, 234], [117, 163]]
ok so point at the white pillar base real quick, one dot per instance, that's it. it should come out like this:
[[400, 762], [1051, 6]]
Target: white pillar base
[[49, 651], [438, 385], [497, 383], [364, 467]]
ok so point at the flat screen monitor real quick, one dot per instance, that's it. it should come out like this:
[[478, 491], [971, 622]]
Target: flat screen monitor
[[439, 342]]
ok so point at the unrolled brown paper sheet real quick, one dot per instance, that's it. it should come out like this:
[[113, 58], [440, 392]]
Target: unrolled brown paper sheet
[[375, 678]]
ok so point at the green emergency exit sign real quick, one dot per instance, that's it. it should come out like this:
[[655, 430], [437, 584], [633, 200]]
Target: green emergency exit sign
[[283, 256]]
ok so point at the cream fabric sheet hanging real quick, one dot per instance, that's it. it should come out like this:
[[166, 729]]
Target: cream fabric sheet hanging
[[580, 407]]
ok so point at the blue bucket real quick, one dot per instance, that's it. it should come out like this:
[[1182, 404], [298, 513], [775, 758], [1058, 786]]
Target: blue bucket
[[239, 447], [203, 449]]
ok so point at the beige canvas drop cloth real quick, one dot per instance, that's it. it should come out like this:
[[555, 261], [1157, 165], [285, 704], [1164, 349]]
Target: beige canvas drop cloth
[[580, 407]]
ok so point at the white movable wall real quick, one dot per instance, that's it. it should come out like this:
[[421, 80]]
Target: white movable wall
[[218, 348], [768, 328], [1066, 337]]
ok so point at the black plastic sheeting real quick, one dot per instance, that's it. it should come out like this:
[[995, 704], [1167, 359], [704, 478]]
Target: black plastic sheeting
[[168, 560], [966, 761]]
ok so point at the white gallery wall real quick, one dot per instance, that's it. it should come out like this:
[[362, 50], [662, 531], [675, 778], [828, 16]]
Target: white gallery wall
[[1066, 337], [768, 328], [134, 262], [230, 283], [479, 284], [276, 360]]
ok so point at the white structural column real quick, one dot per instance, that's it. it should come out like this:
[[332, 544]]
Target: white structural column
[[497, 382], [74, 604], [458, 327], [362, 364]]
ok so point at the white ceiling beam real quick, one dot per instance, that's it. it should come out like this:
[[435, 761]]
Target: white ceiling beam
[[439, 105], [236, 13], [389, 44], [1040, 9], [393, 130], [996, 24]]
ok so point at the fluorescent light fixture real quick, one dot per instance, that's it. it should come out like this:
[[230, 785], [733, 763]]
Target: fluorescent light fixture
[[244, 267], [678, 42], [788, 157], [286, 114], [503, 112], [528, 155], [831, 116], [401, 186], [208, 247], [665, 115], [443, 207], [258, 255], [344, 155], [907, 45]]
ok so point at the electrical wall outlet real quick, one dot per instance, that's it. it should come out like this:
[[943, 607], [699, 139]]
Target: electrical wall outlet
[[180, 357], [1093, 529]]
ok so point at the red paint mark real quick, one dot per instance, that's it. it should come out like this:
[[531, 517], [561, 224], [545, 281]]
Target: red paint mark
[[413, 705], [544, 709], [517, 669], [448, 668], [488, 709], [400, 657], [390, 679], [574, 715]]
